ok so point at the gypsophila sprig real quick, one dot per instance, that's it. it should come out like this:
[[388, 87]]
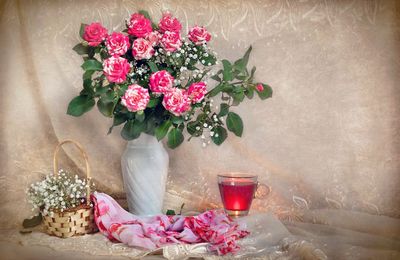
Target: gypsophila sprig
[[153, 80], [57, 193]]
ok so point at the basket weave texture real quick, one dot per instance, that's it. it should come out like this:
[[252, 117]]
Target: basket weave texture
[[74, 221]]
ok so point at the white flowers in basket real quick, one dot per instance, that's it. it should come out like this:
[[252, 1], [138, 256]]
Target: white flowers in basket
[[57, 193]]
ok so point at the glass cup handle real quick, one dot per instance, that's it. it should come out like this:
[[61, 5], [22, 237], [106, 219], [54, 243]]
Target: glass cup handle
[[262, 191]]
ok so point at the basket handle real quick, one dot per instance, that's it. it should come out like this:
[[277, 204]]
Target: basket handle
[[83, 153]]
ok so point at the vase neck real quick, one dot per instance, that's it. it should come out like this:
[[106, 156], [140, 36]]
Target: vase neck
[[144, 140]]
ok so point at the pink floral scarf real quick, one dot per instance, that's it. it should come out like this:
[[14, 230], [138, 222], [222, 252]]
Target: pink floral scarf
[[213, 226]]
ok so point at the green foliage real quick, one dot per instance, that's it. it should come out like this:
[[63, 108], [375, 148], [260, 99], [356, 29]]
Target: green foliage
[[227, 73], [266, 93], [215, 91], [224, 109], [80, 105], [234, 123], [153, 66], [82, 30], [191, 128], [32, 222], [235, 82], [132, 130], [162, 130], [81, 49], [140, 116], [153, 102], [220, 134], [175, 138], [145, 14], [92, 64], [118, 119], [106, 104], [170, 212]]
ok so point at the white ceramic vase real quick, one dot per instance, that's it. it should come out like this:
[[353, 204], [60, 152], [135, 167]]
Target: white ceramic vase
[[144, 170]]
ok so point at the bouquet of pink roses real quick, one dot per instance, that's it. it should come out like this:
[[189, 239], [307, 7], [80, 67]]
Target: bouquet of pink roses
[[154, 81]]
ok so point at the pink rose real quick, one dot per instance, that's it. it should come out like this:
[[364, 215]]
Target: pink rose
[[171, 41], [142, 49], [176, 101], [139, 26], [199, 35], [94, 34], [153, 37], [117, 44], [135, 98], [169, 23], [161, 82], [197, 91], [259, 87], [116, 69]]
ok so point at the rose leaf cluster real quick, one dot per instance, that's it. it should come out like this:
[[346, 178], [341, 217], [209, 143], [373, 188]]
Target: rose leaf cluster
[[154, 78]]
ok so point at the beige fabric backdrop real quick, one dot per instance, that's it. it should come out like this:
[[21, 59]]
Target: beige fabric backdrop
[[329, 138]]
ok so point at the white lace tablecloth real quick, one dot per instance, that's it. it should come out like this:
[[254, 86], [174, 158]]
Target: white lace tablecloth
[[269, 239]]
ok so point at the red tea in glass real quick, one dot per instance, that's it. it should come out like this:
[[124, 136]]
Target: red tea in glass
[[237, 193]]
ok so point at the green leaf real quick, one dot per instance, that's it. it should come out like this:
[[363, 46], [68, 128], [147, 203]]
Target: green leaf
[[215, 90], [227, 73], [87, 88], [132, 130], [87, 84], [170, 212], [32, 222], [237, 98], [153, 66], [246, 56], [249, 92], [224, 109], [92, 65], [140, 116], [162, 130], [145, 14], [88, 74], [122, 89], [177, 120], [191, 128], [209, 60], [266, 92], [105, 106], [253, 70], [234, 123], [153, 102], [82, 30], [118, 119], [216, 78], [80, 105], [151, 124], [102, 90], [227, 88], [239, 66], [175, 138], [81, 49], [220, 134]]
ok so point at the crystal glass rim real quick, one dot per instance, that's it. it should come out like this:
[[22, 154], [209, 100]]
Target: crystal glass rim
[[237, 175]]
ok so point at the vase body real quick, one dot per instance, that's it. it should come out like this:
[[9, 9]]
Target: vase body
[[144, 170]]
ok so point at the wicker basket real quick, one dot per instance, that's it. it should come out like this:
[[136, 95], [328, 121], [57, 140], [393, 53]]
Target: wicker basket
[[74, 221]]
